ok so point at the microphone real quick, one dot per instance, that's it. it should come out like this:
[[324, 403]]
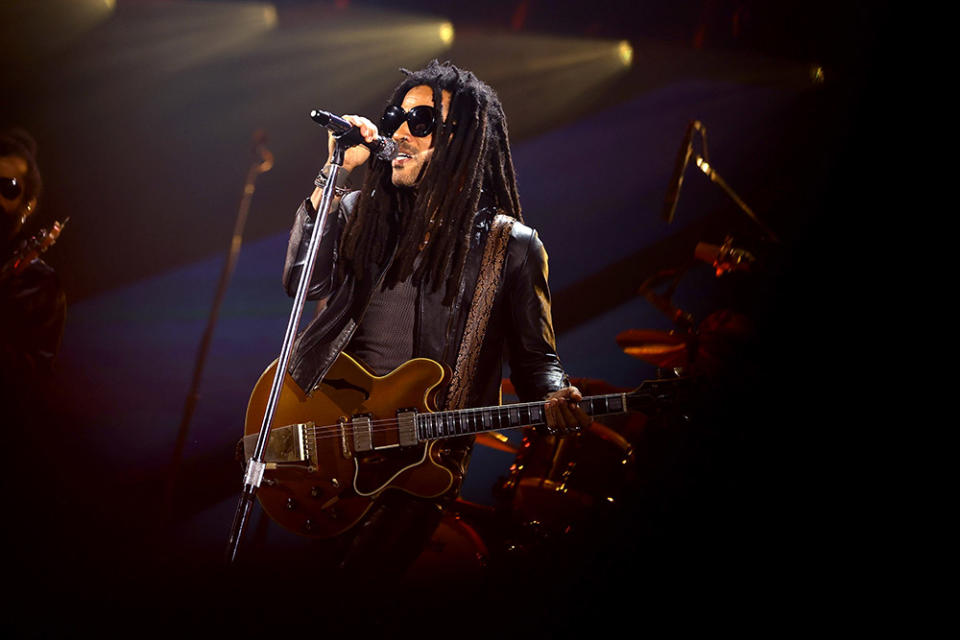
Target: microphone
[[383, 148], [673, 192]]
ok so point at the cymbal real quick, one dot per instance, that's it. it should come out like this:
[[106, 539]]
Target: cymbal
[[492, 441], [716, 341], [661, 348]]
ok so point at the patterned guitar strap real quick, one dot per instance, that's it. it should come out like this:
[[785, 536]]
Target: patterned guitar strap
[[491, 267]]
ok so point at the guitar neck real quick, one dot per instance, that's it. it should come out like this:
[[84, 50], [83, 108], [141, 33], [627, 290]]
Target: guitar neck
[[450, 424]]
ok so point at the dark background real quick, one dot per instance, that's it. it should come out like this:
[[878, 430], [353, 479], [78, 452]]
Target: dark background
[[144, 112]]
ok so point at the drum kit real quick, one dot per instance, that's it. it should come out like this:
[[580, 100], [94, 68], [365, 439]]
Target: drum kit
[[559, 486]]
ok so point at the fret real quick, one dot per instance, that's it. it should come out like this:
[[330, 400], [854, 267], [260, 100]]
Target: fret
[[615, 404], [536, 413], [475, 420], [587, 405]]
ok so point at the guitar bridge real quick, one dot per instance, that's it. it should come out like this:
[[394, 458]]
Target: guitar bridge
[[287, 445]]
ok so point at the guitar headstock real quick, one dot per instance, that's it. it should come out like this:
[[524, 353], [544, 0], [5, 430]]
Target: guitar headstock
[[30, 249]]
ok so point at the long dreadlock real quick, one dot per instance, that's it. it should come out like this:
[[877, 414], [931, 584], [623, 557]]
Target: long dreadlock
[[471, 152]]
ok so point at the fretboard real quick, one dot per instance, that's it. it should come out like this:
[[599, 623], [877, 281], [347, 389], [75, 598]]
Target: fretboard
[[449, 424]]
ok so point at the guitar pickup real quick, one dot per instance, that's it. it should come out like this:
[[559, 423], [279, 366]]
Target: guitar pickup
[[362, 433], [407, 428], [287, 445]]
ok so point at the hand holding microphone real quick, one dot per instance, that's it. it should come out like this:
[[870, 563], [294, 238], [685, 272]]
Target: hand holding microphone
[[358, 131]]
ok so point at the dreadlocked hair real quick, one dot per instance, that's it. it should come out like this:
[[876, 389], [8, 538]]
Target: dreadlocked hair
[[471, 152]]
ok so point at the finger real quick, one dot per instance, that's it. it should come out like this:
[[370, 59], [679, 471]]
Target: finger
[[549, 413], [550, 408], [367, 129], [567, 419], [583, 420]]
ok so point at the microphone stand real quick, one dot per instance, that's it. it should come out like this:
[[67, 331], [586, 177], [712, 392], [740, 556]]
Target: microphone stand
[[255, 465], [683, 158], [711, 173], [264, 164]]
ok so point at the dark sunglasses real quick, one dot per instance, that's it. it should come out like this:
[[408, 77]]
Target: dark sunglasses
[[10, 188], [421, 120]]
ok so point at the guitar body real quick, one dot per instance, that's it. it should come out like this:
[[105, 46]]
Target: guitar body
[[334, 485]]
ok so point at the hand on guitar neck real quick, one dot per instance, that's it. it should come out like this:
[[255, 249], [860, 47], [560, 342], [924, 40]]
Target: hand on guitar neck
[[564, 414]]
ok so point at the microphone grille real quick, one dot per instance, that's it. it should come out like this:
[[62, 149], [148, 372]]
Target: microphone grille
[[388, 149]]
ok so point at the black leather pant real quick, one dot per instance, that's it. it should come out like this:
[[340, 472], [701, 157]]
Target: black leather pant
[[390, 537]]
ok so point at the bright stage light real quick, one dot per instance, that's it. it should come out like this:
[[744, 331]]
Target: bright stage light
[[816, 74], [446, 33], [626, 53], [270, 16]]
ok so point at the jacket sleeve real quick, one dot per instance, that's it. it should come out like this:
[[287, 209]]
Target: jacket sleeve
[[535, 368], [33, 308], [321, 284]]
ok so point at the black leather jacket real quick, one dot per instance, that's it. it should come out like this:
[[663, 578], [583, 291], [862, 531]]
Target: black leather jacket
[[519, 324]]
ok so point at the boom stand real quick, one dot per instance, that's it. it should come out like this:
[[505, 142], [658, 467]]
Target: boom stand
[[255, 465]]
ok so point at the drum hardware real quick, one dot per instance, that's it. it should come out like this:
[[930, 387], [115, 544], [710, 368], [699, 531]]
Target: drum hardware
[[497, 441], [724, 258], [557, 482]]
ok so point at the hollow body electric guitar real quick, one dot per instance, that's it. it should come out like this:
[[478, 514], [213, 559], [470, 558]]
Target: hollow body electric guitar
[[331, 454]]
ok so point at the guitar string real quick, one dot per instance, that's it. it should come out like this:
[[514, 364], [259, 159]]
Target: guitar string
[[332, 436], [386, 424]]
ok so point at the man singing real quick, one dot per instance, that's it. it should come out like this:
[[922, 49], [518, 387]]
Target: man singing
[[400, 262]]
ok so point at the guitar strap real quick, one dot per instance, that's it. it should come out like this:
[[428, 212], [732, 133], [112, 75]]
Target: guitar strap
[[488, 282]]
